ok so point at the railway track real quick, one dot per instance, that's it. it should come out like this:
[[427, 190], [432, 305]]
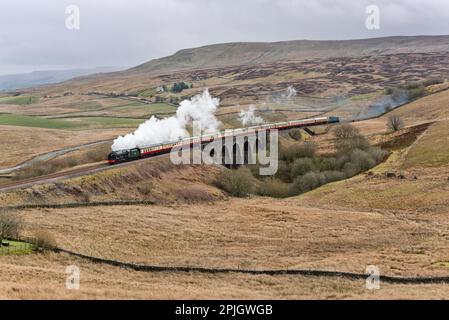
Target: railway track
[[53, 177], [84, 171]]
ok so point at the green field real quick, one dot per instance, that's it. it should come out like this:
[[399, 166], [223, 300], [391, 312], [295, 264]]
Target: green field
[[16, 247], [37, 122], [103, 122], [160, 108], [144, 109], [19, 100], [68, 123], [147, 93]]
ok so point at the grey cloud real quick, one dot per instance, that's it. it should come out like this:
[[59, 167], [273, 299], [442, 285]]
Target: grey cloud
[[119, 32]]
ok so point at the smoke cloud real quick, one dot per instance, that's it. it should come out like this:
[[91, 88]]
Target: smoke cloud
[[248, 117], [291, 92], [199, 109], [385, 104]]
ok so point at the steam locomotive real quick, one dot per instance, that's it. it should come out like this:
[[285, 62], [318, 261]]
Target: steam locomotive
[[126, 155]]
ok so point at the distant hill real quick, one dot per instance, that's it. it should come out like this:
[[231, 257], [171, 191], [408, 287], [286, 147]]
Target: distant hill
[[248, 54], [221, 55], [37, 78]]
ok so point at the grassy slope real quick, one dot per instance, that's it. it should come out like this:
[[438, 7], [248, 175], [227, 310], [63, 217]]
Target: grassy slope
[[433, 107], [432, 150], [256, 53], [21, 143], [27, 121], [427, 159], [68, 123], [343, 226]]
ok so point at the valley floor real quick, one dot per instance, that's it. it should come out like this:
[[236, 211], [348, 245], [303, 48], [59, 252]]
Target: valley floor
[[398, 224]]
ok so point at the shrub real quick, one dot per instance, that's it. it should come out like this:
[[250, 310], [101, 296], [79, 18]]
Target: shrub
[[273, 188], [295, 134], [85, 197], [378, 154], [362, 159], [349, 138], [44, 240], [412, 85], [284, 171], [345, 146], [346, 131], [304, 150], [389, 91], [416, 93], [407, 92], [237, 183], [145, 188], [432, 81], [302, 166], [332, 176], [395, 123], [11, 225], [305, 183], [351, 169], [194, 195], [327, 163], [179, 87]]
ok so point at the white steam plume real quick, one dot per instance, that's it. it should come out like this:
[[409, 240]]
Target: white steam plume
[[201, 109], [291, 92], [248, 117]]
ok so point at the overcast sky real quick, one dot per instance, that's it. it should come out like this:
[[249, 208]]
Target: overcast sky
[[33, 33]]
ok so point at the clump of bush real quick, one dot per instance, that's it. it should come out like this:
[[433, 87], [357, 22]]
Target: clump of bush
[[304, 150], [433, 81], [295, 134], [410, 91], [237, 183], [345, 131], [44, 240], [301, 166], [274, 188], [145, 188], [11, 224], [301, 170]]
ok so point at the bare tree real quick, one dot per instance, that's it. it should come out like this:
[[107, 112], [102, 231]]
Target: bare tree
[[10, 225], [395, 123], [346, 131], [45, 240]]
